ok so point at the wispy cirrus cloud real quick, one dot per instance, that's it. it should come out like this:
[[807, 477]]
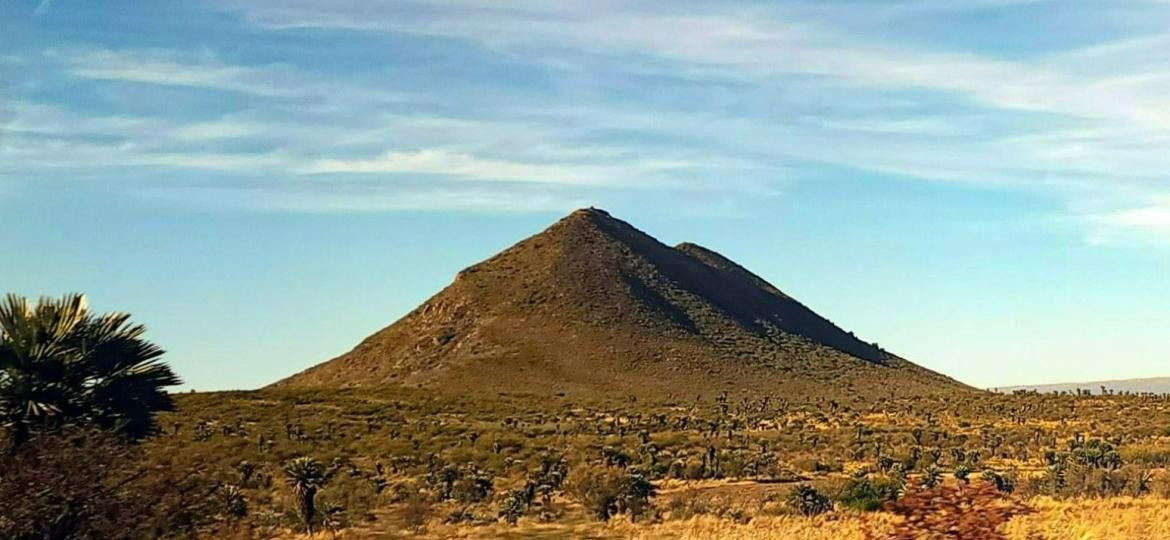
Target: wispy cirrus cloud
[[367, 197], [470, 167], [1094, 106], [167, 68], [737, 41], [596, 95], [1144, 224]]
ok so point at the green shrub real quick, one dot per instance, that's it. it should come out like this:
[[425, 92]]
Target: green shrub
[[808, 501], [606, 491], [869, 494]]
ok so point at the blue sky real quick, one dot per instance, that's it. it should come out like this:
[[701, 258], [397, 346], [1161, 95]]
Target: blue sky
[[979, 185]]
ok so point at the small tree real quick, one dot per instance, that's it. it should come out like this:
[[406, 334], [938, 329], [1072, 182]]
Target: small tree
[[963, 474], [1001, 482], [306, 477], [61, 365], [513, 506], [246, 470], [931, 477], [606, 491], [635, 494]]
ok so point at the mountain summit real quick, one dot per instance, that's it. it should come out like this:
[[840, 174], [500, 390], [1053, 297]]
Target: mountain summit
[[593, 306]]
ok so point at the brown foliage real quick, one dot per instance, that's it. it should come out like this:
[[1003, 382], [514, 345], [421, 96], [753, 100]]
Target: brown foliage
[[415, 513], [966, 511], [83, 484]]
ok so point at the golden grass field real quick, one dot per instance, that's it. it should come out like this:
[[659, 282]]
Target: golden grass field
[[1116, 518], [1120, 518]]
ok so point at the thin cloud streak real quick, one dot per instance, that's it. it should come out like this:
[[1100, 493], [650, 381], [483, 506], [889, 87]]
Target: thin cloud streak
[[773, 89], [367, 199], [1115, 92]]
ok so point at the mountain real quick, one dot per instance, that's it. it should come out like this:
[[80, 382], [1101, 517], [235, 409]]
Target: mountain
[[1152, 385], [592, 306]]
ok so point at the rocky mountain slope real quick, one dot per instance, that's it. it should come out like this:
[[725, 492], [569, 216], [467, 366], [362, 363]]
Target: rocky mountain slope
[[592, 306]]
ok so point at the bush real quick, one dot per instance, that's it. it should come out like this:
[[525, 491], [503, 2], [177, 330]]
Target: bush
[[473, 485], [869, 494], [513, 506], [807, 501], [415, 513], [1003, 483], [952, 511], [606, 491], [82, 484]]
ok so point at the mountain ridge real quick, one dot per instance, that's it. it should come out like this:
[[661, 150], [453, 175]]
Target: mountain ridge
[[1139, 385]]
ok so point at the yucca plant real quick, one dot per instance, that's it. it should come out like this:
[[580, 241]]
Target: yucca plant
[[808, 501], [234, 504], [306, 476], [333, 518], [62, 364]]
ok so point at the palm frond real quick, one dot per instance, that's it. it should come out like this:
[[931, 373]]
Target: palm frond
[[60, 363]]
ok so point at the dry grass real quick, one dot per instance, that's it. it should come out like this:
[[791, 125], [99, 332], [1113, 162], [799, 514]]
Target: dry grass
[[1119, 518], [1116, 518], [844, 527]]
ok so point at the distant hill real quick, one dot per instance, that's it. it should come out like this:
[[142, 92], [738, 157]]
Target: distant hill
[[592, 306], [1154, 385]]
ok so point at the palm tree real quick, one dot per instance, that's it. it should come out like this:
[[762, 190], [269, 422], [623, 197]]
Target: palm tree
[[61, 364], [306, 476]]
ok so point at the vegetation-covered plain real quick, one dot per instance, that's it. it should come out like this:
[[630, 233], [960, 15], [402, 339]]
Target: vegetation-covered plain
[[95, 447], [407, 461]]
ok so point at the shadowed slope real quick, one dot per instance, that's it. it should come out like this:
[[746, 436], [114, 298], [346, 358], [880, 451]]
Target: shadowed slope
[[594, 306]]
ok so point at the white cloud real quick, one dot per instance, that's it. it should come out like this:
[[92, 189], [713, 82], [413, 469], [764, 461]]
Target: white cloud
[[369, 198], [466, 166], [222, 128], [167, 68], [788, 85], [1146, 223]]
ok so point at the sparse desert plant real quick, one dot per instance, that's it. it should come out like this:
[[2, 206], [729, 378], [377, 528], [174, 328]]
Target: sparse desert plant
[[333, 518], [868, 494], [512, 507], [246, 470], [232, 501], [808, 502], [635, 494], [415, 513], [419, 435], [306, 477], [931, 477], [606, 491], [963, 473], [1002, 482], [472, 484]]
